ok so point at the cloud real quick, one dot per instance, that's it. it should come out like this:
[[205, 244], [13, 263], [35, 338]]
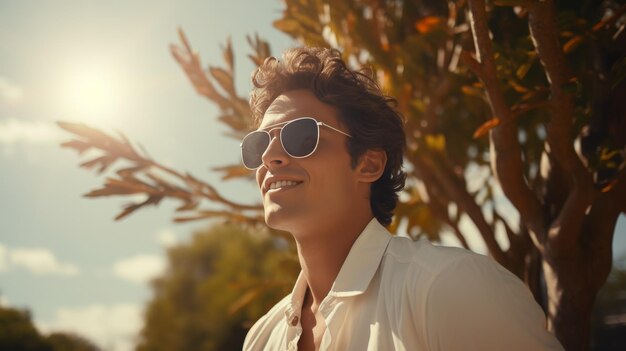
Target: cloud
[[139, 269], [167, 238], [14, 130], [4, 259], [9, 91], [34, 260], [113, 327]]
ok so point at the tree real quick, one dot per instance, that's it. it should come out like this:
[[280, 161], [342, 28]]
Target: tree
[[17, 333], [70, 342], [512, 106], [215, 287]]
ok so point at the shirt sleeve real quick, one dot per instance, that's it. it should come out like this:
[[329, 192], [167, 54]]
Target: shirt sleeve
[[475, 304]]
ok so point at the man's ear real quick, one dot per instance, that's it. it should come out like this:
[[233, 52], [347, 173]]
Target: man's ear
[[371, 165]]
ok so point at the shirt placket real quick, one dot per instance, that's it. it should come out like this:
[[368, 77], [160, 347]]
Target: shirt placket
[[327, 309], [294, 330]]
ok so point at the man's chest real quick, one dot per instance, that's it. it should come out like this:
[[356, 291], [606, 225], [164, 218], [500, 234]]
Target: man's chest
[[313, 329]]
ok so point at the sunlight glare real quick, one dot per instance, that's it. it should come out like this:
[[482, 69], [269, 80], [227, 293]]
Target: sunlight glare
[[95, 94]]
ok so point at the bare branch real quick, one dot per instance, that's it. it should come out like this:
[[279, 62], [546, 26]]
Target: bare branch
[[129, 182], [235, 110]]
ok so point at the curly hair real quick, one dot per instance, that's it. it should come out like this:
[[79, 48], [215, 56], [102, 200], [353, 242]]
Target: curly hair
[[369, 115]]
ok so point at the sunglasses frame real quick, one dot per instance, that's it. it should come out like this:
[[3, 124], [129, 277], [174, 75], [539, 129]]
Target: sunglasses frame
[[281, 126]]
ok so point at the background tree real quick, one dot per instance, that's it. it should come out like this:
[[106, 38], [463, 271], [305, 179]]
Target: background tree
[[515, 124], [215, 287], [70, 342], [17, 333]]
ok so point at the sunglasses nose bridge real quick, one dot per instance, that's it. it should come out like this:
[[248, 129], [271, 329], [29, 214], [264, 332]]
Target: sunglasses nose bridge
[[274, 154]]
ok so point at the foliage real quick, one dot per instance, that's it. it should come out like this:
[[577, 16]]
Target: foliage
[[215, 287], [17, 333], [70, 342], [511, 107]]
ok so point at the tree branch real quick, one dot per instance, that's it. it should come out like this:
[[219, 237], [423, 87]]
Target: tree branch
[[129, 183], [438, 200], [457, 191], [565, 230], [505, 149]]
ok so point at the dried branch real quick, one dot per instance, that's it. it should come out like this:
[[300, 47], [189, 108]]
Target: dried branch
[[235, 110], [129, 182], [505, 149]]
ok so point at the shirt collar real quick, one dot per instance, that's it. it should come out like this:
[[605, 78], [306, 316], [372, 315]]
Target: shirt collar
[[362, 262], [292, 313], [356, 272]]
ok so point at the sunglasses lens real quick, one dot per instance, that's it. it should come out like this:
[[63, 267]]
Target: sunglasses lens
[[252, 148], [299, 137]]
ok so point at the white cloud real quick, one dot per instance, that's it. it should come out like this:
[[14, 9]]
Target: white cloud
[[36, 260], [112, 327], [139, 269], [10, 91], [167, 238], [4, 302], [14, 130], [4, 259]]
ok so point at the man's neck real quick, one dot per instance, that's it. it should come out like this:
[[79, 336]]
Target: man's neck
[[323, 253]]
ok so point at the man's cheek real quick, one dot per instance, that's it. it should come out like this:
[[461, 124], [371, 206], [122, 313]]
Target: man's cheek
[[260, 175]]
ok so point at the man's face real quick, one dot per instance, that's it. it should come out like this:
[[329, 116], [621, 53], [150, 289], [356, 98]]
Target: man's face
[[325, 183]]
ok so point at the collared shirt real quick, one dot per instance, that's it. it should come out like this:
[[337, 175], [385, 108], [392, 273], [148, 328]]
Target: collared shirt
[[396, 294]]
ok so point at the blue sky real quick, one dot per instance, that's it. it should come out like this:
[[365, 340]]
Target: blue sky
[[107, 64]]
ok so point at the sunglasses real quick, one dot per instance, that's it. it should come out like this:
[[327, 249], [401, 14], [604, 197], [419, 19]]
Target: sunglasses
[[299, 139]]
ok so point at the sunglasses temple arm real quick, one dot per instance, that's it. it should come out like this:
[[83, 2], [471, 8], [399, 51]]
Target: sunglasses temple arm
[[335, 129]]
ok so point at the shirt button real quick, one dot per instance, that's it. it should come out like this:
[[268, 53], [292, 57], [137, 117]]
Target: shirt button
[[294, 321]]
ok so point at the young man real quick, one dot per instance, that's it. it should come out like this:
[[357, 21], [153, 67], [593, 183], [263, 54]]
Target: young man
[[328, 157]]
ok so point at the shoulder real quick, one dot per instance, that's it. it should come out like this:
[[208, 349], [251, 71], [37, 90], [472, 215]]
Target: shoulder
[[262, 329], [461, 298], [423, 259], [439, 271]]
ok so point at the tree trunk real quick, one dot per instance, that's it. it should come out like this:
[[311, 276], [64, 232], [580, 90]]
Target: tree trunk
[[570, 301], [573, 279]]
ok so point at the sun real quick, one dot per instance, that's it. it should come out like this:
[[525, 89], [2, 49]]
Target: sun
[[95, 94]]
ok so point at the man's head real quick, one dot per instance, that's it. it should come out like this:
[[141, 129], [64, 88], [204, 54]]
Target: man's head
[[315, 82]]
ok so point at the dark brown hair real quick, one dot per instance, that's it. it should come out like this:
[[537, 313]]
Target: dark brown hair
[[368, 114]]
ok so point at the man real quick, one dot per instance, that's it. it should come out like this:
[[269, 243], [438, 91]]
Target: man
[[328, 157]]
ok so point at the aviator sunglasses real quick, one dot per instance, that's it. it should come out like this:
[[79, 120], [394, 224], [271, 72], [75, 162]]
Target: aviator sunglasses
[[299, 139]]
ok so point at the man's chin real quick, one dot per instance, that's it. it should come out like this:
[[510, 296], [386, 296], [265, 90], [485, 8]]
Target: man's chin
[[281, 219]]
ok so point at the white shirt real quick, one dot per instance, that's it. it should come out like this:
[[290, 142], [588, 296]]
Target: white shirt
[[396, 294]]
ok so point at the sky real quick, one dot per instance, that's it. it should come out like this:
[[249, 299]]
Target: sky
[[107, 64]]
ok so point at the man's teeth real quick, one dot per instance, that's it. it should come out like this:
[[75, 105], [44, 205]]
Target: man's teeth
[[281, 183]]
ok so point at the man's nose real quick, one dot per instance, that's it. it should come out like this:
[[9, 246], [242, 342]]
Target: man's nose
[[274, 155]]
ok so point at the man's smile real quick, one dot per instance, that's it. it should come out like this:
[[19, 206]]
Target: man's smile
[[276, 183], [282, 184]]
